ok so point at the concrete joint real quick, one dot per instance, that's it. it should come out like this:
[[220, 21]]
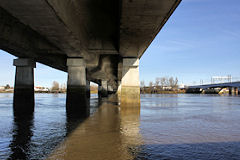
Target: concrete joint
[[24, 62], [76, 62]]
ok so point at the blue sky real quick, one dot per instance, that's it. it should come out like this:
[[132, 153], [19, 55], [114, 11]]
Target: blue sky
[[200, 40]]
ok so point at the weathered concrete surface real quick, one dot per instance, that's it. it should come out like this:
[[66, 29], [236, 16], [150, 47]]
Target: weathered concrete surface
[[104, 88], [236, 90], [102, 32], [77, 98], [88, 89], [130, 85], [110, 90], [119, 89], [22, 41], [23, 101]]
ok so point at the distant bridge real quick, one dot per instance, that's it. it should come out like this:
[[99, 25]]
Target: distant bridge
[[232, 86], [217, 85]]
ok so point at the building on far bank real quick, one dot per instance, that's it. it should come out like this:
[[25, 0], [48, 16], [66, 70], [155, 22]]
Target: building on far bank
[[41, 89], [2, 88], [181, 86]]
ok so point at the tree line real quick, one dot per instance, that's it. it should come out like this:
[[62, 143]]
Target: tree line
[[160, 84]]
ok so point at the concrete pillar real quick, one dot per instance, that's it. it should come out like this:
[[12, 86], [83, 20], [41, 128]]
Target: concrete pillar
[[88, 89], [231, 91], [110, 89], [23, 99], [236, 90], [99, 90], [77, 99], [119, 89], [120, 64], [130, 89], [104, 88]]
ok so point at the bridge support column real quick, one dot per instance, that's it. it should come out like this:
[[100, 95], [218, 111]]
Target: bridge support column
[[23, 99], [236, 90], [119, 89], [120, 63], [88, 89], [104, 88], [130, 89], [109, 89], [99, 90], [231, 91], [77, 99]]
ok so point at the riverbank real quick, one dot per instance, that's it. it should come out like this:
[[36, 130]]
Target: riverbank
[[48, 92], [162, 92], [6, 91]]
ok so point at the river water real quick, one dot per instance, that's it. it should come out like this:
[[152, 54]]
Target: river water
[[167, 127]]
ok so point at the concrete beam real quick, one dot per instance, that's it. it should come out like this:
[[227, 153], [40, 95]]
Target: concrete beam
[[77, 99], [130, 85], [21, 41], [23, 99], [140, 22]]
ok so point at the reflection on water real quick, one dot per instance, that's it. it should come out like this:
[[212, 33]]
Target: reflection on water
[[21, 137], [168, 127], [34, 136], [109, 134]]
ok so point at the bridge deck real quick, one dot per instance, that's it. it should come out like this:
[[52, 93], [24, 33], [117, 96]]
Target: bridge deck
[[218, 85]]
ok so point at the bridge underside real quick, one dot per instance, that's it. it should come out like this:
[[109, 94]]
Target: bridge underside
[[101, 32]]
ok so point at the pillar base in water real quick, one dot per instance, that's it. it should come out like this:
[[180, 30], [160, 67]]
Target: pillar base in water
[[130, 96], [130, 85], [104, 90], [236, 91], [77, 102], [23, 99], [231, 91], [88, 92]]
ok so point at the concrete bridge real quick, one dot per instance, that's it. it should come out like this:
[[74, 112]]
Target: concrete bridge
[[93, 40], [232, 86]]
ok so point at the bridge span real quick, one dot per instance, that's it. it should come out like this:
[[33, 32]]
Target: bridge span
[[98, 41], [232, 86], [218, 85]]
